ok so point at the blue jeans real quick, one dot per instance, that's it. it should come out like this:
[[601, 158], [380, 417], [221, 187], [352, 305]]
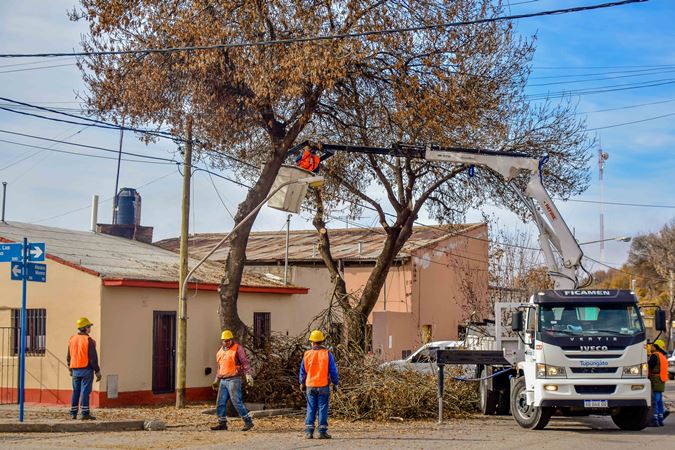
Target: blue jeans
[[657, 398], [230, 388], [317, 401], [83, 379]]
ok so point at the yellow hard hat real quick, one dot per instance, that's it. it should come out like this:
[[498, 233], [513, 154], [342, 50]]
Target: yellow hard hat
[[83, 322], [660, 344], [227, 334], [316, 336]]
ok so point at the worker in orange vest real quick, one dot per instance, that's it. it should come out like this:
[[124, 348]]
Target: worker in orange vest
[[232, 364], [658, 375], [316, 370], [82, 362], [309, 160]]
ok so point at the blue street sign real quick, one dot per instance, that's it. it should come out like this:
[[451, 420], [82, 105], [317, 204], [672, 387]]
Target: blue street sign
[[36, 272], [17, 271], [36, 251], [10, 252]]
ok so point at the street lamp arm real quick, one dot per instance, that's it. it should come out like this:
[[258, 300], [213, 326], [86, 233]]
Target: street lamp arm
[[307, 180]]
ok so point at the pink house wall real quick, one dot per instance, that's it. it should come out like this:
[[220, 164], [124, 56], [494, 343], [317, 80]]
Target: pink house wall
[[442, 285]]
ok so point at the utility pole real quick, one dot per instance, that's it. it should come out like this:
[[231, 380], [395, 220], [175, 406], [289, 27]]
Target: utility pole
[[117, 177], [602, 157], [183, 287], [288, 232]]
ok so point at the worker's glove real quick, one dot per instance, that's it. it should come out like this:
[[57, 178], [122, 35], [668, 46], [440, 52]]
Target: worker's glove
[[303, 388], [249, 379], [70, 371], [215, 385], [335, 389], [98, 376]]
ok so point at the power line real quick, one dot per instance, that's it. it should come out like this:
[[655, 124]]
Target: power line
[[36, 62], [631, 122], [35, 68], [600, 89], [329, 37], [643, 71], [93, 147], [85, 154], [642, 205], [589, 80], [626, 107]]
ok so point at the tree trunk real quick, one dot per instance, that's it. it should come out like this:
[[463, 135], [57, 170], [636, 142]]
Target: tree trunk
[[236, 258]]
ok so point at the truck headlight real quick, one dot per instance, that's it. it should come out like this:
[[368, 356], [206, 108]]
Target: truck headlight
[[636, 371], [549, 371]]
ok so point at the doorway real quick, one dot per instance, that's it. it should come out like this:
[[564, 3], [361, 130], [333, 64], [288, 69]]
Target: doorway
[[163, 352]]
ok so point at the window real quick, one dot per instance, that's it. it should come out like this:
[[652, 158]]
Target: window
[[405, 354], [36, 324], [261, 328]]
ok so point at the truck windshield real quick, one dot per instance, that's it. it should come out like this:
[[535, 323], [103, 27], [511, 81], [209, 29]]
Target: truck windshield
[[608, 319]]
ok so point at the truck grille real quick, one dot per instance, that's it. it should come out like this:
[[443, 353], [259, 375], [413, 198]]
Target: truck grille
[[592, 356], [595, 388], [593, 369]]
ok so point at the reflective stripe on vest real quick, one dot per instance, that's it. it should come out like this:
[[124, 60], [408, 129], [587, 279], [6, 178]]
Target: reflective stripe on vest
[[78, 347], [663, 367], [316, 365], [227, 362], [308, 161]]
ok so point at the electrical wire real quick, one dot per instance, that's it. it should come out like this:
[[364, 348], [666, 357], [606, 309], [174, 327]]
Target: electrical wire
[[640, 205], [622, 124], [330, 37], [35, 68]]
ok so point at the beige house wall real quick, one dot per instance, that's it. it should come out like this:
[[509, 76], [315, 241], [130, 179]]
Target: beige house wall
[[393, 332], [67, 295]]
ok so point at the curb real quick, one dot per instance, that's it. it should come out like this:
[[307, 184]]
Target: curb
[[67, 427]]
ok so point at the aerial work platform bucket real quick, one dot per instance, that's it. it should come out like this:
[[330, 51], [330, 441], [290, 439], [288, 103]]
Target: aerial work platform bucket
[[289, 198]]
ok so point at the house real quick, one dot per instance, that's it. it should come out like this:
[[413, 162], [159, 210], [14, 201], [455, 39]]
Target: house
[[438, 281], [129, 290]]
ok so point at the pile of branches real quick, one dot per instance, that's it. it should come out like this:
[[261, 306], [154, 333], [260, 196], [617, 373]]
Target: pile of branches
[[366, 391]]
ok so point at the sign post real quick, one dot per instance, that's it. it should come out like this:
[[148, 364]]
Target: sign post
[[24, 268], [22, 347]]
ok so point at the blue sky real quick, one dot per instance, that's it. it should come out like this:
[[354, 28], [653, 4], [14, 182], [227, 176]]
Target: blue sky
[[55, 189]]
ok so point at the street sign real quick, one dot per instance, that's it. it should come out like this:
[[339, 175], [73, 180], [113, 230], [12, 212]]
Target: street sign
[[36, 272], [36, 251], [17, 271], [10, 252]]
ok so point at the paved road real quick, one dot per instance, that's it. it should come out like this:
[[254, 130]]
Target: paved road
[[479, 433]]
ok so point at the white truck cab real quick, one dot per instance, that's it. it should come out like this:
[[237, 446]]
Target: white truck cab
[[584, 352]]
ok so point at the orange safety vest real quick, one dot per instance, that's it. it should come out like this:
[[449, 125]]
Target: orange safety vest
[[78, 348], [227, 362], [309, 161], [316, 365], [663, 366]]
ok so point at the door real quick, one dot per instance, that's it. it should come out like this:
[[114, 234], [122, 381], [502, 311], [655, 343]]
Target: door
[[163, 352]]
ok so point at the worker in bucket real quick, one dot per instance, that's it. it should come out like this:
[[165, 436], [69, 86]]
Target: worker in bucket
[[658, 375], [308, 159], [232, 365], [82, 361], [317, 370]]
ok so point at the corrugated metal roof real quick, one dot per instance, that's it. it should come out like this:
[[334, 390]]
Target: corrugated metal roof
[[353, 244], [114, 257]]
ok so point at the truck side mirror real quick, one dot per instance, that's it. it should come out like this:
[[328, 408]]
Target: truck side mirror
[[517, 321], [660, 320]]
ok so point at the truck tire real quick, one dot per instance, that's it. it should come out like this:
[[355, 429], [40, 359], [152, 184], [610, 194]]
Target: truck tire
[[632, 418], [488, 397], [530, 417]]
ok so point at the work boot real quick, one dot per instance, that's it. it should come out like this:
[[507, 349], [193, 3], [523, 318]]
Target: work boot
[[248, 424], [220, 426], [660, 420], [87, 417], [309, 435], [654, 422], [325, 435]]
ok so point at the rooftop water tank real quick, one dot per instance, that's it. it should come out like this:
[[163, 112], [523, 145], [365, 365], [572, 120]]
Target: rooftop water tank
[[128, 207]]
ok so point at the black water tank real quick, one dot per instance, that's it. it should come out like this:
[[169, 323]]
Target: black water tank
[[128, 207]]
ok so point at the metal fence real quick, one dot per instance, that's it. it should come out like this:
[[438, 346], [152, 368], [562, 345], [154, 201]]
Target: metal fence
[[9, 367]]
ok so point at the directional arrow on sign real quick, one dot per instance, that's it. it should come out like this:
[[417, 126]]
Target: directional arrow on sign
[[17, 271], [36, 251]]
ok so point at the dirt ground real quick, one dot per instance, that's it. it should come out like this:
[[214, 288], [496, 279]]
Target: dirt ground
[[189, 428]]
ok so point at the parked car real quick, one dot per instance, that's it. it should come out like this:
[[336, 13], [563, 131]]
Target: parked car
[[423, 359]]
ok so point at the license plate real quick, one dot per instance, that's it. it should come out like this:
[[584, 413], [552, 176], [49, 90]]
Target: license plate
[[595, 403]]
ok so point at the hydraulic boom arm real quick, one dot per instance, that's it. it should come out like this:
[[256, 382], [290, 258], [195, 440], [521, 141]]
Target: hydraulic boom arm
[[553, 231]]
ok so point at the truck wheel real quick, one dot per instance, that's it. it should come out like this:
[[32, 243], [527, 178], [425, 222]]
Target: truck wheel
[[488, 397], [527, 416], [632, 418]]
